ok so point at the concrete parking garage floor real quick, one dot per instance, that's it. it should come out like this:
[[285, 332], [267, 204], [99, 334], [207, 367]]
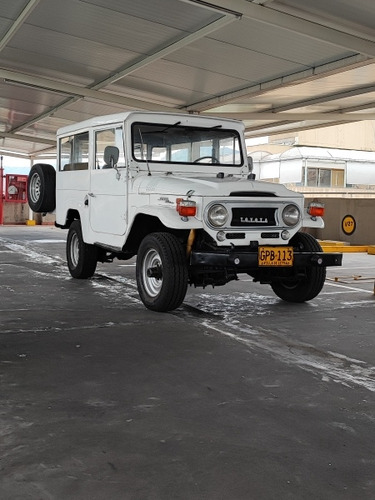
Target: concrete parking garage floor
[[235, 395]]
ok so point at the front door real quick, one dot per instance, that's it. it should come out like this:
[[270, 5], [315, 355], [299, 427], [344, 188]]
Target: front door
[[107, 198]]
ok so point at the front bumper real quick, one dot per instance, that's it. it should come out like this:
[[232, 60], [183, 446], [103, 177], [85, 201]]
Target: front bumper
[[244, 261]]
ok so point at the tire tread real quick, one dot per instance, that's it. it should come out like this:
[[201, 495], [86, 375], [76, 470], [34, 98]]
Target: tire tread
[[307, 288], [175, 275], [88, 254]]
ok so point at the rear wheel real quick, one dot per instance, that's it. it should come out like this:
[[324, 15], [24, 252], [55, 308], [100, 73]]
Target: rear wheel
[[306, 287], [41, 188], [161, 271], [82, 258]]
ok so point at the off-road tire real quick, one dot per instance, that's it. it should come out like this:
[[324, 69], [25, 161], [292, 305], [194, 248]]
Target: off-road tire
[[304, 288], [41, 188], [82, 258], [165, 253]]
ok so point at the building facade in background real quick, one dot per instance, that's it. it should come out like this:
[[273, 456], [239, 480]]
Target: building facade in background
[[331, 158], [333, 165]]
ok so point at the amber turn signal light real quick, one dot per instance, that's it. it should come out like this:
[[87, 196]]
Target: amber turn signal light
[[315, 209], [186, 208]]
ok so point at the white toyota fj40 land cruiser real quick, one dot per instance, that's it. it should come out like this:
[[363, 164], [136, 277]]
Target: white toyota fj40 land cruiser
[[177, 191]]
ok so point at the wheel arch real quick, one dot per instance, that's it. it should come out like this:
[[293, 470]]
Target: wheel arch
[[144, 224], [71, 215]]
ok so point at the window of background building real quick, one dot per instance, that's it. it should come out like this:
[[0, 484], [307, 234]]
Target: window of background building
[[323, 177]]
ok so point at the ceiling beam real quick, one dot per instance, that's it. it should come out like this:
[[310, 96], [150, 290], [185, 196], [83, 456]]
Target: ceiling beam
[[18, 23], [169, 49], [46, 114], [330, 21], [311, 74], [38, 82], [314, 30], [325, 98], [27, 138], [295, 117], [288, 129], [136, 65]]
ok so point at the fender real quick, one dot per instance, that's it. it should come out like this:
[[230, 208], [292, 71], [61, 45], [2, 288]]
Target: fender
[[308, 221], [167, 216]]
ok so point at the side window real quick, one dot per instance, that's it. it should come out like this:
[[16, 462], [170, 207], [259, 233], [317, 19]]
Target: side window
[[108, 138], [66, 153], [74, 152]]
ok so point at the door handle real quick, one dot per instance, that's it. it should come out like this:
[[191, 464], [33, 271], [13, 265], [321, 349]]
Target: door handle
[[86, 200]]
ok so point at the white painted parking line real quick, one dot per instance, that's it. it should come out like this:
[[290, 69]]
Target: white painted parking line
[[328, 365], [341, 292], [352, 288], [46, 241]]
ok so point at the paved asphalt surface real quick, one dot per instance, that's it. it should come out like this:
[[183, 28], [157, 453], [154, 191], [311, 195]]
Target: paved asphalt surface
[[235, 395]]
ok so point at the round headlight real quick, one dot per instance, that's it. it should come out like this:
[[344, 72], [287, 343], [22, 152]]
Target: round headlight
[[217, 215], [291, 215]]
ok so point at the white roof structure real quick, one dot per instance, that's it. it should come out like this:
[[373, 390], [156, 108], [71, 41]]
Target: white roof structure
[[278, 65], [359, 166]]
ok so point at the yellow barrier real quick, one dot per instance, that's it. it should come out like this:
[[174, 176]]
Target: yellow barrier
[[345, 247]]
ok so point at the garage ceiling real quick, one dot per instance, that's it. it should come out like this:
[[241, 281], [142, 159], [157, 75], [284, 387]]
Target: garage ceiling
[[278, 65]]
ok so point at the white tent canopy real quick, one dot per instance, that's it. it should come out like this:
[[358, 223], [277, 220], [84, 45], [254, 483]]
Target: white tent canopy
[[359, 166]]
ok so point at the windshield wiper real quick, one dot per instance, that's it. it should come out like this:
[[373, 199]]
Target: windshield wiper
[[169, 126]]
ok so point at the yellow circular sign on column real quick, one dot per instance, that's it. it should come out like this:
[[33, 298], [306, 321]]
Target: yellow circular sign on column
[[348, 224]]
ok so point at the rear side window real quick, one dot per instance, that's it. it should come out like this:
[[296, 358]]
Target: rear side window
[[74, 152]]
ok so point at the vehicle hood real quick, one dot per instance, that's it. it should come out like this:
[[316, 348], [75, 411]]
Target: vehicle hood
[[208, 186]]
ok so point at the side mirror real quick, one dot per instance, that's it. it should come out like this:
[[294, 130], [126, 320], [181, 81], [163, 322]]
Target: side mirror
[[111, 156], [250, 164]]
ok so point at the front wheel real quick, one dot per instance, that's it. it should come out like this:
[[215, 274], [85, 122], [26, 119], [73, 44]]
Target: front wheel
[[82, 258], [161, 272], [306, 287]]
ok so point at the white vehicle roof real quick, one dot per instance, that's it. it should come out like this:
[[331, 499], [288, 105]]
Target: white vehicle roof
[[153, 117]]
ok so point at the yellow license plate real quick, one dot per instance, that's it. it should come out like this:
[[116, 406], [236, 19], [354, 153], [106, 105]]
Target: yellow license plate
[[275, 256]]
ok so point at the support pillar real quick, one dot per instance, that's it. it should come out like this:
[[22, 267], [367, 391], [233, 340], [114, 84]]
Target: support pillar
[[1, 191]]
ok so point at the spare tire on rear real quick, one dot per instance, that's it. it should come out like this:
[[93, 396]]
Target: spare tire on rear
[[41, 188]]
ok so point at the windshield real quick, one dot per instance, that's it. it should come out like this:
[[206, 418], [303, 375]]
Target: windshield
[[185, 144]]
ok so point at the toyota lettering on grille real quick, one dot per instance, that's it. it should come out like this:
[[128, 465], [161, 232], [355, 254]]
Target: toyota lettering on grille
[[255, 220], [253, 216]]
